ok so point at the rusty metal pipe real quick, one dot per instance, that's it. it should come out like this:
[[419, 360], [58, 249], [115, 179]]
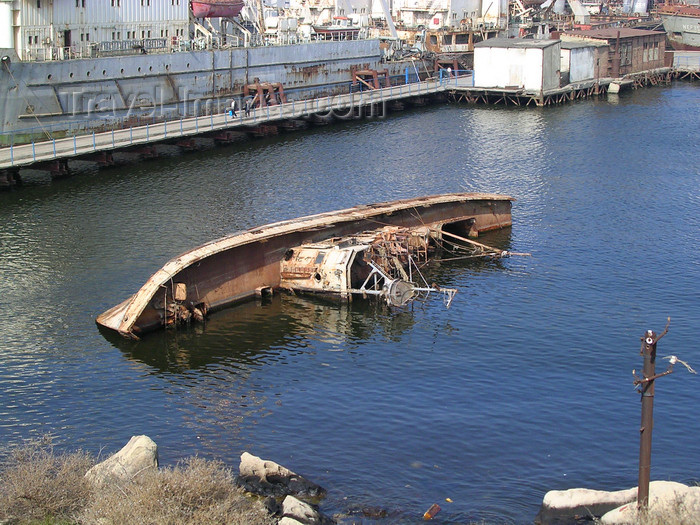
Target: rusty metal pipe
[[649, 372]]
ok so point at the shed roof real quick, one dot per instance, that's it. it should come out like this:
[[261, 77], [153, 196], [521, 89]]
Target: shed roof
[[609, 33], [577, 44], [516, 42]]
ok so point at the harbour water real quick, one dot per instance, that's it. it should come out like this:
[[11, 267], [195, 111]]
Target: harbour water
[[522, 386]]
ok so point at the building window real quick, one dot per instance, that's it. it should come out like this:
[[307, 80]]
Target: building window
[[143, 34], [38, 4], [149, 33], [625, 54]]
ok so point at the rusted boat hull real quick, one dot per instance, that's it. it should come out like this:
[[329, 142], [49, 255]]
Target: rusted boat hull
[[231, 269], [215, 9]]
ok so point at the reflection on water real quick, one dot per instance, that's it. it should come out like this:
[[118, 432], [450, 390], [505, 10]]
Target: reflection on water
[[247, 334], [521, 386]]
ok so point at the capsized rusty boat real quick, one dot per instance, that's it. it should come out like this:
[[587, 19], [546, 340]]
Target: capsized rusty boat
[[368, 249]]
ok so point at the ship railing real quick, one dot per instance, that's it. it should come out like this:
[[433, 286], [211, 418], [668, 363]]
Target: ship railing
[[456, 77], [106, 120], [112, 137], [688, 60]]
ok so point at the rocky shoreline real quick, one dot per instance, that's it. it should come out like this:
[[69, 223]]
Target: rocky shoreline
[[291, 499], [287, 496]]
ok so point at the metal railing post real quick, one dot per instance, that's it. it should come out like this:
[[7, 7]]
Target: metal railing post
[[75, 144], [148, 133], [33, 150], [54, 148]]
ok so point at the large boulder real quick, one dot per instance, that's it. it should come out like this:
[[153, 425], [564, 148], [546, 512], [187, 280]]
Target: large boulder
[[138, 455], [296, 511], [669, 502], [561, 507], [267, 478]]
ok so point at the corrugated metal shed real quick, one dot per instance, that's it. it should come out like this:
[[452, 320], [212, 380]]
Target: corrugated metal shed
[[531, 65]]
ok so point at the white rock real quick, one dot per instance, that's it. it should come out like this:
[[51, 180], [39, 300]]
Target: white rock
[[270, 479], [558, 505], [669, 502], [289, 521], [264, 470], [138, 455], [299, 510]]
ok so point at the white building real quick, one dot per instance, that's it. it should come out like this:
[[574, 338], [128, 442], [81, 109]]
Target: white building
[[53, 29], [532, 65], [436, 14], [578, 61]]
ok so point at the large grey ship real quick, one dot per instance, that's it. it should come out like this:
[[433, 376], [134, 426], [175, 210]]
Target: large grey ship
[[68, 66], [682, 25]]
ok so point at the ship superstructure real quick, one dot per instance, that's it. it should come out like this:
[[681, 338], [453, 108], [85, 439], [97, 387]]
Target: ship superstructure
[[66, 29]]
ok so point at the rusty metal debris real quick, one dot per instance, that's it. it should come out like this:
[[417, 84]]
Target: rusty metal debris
[[384, 263]]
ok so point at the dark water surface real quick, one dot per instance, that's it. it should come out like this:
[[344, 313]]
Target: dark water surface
[[522, 386]]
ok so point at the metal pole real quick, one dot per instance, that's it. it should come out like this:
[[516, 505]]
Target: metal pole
[[647, 390]]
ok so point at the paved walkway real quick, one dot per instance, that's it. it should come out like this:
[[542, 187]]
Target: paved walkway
[[76, 146]]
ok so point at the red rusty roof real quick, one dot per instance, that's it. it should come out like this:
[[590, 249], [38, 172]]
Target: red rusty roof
[[609, 33]]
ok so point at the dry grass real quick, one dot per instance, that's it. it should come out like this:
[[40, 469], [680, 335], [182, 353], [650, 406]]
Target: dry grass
[[38, 486], [196, 492]]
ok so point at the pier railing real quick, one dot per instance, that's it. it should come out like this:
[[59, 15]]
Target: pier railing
[[95, 142]]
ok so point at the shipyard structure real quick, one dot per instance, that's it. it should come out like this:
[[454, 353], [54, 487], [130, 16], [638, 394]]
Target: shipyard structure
[[75, 67]]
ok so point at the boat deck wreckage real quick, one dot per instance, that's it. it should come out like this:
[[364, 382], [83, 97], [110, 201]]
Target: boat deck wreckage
[[371, 250]]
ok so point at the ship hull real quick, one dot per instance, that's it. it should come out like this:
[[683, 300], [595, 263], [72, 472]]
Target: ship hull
[[682, 25], [79, 96], [232, 269], [216, 9]]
